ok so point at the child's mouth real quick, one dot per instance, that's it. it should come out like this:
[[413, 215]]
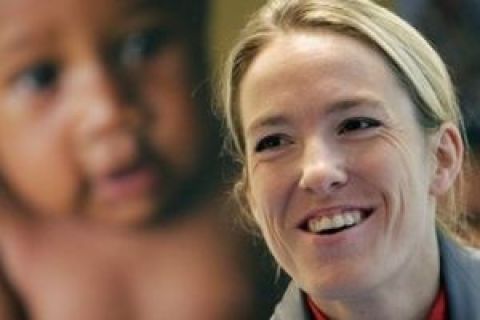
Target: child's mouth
[[134, 179]]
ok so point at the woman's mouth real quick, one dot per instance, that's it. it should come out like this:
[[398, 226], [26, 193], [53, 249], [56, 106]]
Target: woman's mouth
[[337, 222]]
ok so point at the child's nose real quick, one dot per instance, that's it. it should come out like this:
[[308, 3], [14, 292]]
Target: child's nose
[[104, 105]]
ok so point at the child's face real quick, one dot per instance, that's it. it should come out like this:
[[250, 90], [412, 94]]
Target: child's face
[[96, 114]]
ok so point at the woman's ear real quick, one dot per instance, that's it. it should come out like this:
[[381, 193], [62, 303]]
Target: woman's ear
[[448, 158]]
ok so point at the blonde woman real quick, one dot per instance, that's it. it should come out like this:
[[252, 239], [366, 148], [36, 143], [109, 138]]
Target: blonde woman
[[348, 129]]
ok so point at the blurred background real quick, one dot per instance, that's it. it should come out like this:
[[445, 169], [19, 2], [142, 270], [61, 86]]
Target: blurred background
[[453, 27]]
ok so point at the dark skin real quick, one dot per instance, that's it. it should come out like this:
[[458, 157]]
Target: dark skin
[[97, 116], [75, 270], [99, 133]]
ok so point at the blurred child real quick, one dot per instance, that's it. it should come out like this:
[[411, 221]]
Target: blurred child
[[103, 117], [97, 116]]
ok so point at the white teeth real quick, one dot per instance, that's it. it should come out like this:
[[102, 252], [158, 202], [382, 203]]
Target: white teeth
[[324, 224], [349, 219], [338, 221], [357, 216]]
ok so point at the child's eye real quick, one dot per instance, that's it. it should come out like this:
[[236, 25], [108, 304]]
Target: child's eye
[[39, 77], [271, 142], [141, 46], [356, 124]]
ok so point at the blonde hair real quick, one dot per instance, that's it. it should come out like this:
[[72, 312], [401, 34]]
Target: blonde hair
[[415, 63]]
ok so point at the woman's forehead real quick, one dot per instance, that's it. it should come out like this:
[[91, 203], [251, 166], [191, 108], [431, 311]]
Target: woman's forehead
[[305, 49], [317, 70], [314, 60]]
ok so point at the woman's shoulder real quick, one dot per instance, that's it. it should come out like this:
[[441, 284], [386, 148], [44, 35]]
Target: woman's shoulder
[[460, 267], [457, 252], [459, 259], [292, 305]]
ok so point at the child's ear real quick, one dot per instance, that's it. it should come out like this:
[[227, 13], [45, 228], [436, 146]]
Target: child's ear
[[448, 155]]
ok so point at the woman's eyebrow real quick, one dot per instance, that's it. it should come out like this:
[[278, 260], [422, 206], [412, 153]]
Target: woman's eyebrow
[[344, 105], [268, 121]]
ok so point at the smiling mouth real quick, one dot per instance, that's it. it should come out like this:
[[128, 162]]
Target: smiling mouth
[[332, 224]]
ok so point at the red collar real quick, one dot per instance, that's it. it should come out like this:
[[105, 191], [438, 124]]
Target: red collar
[[438, 311], [316, 313]]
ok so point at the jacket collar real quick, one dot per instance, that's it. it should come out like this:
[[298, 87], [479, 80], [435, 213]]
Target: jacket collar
[[292, 305], [460, 271]]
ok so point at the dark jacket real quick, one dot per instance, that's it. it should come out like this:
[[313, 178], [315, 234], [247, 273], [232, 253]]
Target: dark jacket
[[460, 271]]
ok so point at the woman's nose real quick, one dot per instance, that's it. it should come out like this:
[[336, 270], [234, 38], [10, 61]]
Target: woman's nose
[[323, 169]]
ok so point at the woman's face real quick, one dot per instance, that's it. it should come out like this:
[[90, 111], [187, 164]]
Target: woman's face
[[339, 171], [96, 114]]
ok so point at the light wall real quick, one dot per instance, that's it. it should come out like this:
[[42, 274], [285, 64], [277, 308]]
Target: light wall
[[228, 17]]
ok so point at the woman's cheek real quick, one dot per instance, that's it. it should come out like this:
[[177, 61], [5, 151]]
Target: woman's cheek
[[270, 194], [399, 175], [259, 201], [261, 197]]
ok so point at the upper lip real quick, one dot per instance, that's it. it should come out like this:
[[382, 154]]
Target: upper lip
[[126, 168], [121, 166], [331, 211]]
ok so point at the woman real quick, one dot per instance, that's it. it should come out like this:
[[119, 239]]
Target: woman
[[347, 125]]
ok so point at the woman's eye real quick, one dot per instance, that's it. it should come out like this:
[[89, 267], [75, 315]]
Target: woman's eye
[[271, 142], [354, 124], [141, 46], [39, 77]]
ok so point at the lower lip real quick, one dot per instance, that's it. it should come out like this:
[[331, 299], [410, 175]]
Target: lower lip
[[343, 237], [136, 183]]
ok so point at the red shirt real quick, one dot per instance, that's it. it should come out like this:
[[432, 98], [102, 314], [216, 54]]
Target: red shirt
[[438, 311]]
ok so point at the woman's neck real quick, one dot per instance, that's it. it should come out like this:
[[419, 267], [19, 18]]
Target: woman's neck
[[407, 295]]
